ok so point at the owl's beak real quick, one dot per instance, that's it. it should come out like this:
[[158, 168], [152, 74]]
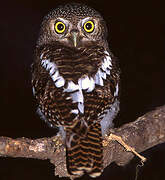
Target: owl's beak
[[74, 38]]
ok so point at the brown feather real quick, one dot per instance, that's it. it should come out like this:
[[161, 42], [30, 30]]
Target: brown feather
[[83, 131]]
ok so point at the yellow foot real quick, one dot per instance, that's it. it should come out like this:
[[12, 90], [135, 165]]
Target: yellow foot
[[113, 137]]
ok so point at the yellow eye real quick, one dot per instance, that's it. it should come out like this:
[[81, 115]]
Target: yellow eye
[[89, 26], [59, 27]]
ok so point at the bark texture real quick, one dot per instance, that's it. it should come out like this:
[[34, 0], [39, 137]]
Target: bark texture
[[144, 133]]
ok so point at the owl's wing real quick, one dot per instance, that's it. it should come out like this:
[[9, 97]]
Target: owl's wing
[[102, 103], [54, 106]]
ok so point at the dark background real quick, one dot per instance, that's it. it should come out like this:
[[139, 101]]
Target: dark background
[[136, 37]]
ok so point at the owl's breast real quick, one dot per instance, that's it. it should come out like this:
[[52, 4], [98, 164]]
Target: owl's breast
[[80, 83], [74, 69]]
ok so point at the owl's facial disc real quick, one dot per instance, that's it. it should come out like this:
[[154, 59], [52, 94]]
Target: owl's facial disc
[[77, 33]]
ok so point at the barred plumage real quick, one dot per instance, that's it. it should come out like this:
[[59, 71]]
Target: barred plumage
[[76, 84]]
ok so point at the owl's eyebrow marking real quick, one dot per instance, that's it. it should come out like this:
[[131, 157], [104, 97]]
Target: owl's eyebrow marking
[[61, 19], [86, 19]]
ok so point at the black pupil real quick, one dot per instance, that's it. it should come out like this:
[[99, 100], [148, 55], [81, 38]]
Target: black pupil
[[88, 26], [60, 27]]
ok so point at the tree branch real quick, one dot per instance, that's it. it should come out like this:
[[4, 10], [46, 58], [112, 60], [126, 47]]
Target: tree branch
[[144, 133]]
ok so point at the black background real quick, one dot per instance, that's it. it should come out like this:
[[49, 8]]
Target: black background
[[136, 37]]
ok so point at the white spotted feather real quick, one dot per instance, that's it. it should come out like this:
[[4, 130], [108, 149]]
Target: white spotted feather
[[84, 83]]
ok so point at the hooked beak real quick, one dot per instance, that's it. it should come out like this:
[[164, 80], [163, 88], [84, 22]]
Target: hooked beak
[[74, 38]]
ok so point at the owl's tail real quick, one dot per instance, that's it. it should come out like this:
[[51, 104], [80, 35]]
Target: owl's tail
[[85, 152]]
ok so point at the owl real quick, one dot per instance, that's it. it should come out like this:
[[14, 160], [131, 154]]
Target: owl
[[75, 80]]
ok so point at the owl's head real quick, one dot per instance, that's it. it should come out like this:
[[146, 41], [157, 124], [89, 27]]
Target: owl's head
[[73, 25]]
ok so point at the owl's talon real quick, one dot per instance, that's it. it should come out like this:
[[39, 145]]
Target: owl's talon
[[113, 137]]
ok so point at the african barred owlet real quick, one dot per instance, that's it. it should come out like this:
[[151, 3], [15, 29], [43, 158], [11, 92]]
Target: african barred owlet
[[76, 83]]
